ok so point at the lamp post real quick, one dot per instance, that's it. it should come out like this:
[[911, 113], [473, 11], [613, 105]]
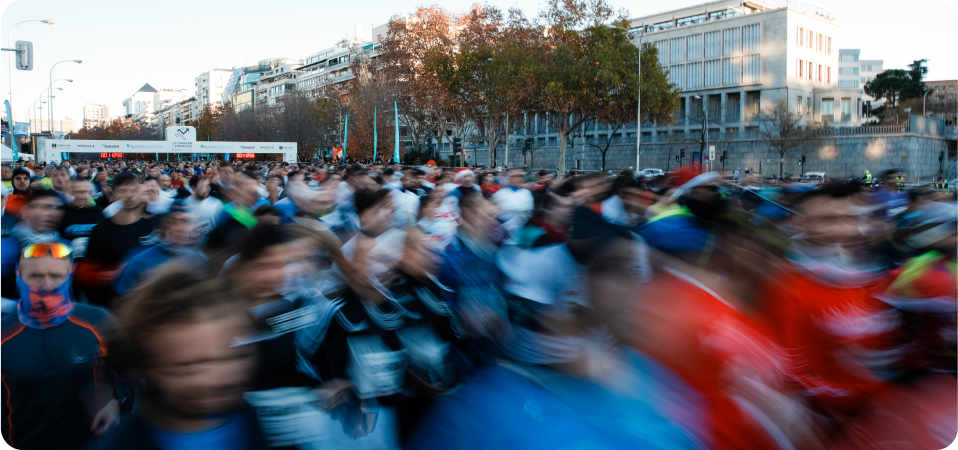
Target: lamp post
[[78, 61], [638, 102], [923, 97], [705, 132], [10, 61]]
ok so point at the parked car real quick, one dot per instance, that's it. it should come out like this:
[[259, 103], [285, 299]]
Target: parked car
[[815, 176], [652, 173]]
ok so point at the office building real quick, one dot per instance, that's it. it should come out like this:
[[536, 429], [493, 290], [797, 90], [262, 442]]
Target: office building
[[94, 115], [854, 72], [67, 125], [737, 58]]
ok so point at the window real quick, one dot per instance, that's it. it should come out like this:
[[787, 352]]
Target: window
[[732, 41], [808, 39], [694, 71], [808, 74], [801, 37], [819, 75], [799, 103], [713, 73], [864, 80], [695, 47], [951, 96], [951, 87], [818, 42], [828, 75], [751, 39], [808, 105], [863, 67], [751, 69], [732, 71], [799, 68], [828, 109], [713, 45], [829, 48], [846, 109], [678, 50], [662, 47]]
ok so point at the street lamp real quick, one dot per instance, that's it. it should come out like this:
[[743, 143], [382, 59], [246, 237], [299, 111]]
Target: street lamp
[[638, 101], [705, 131], [923, 102], [47, 90], [78, 61], [10, 60]]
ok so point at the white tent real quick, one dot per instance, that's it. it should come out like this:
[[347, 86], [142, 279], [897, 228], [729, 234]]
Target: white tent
[[7, 154]]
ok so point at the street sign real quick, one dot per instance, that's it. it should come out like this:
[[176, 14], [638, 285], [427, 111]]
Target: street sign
[[24, 55], [711, 153]]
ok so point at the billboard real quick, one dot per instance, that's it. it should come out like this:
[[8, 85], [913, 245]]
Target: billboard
[[54, 148]]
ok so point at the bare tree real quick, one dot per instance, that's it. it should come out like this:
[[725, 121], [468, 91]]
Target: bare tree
[[783, 130], [674, 140]]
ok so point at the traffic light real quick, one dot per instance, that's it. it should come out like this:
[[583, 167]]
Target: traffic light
[[24, 55], [676, 158], [456, 146], [801, 162], [527, 145], [682, 153], [724, 155]]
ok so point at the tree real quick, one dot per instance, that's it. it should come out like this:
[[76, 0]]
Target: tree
[[674, 140], [207, 123], [371, 97], [782, 130], [916, 74], [423, 103]]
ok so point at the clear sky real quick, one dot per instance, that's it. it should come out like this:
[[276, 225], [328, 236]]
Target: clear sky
[[126, 43]]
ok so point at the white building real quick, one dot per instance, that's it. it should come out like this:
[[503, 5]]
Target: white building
[[739, 57], [138, 108], [210, 86], [274, 84], [854, 72], [165, 97], [94, 115], [330, 67]]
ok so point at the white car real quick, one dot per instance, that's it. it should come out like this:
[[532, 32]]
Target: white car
[[652, 173]]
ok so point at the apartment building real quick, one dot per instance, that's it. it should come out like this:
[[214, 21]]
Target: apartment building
[[94, 115]]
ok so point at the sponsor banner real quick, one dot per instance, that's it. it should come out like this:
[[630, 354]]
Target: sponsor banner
[[55, 147]]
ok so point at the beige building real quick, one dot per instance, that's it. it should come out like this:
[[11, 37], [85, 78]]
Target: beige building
[[736, 58], [94, 115]]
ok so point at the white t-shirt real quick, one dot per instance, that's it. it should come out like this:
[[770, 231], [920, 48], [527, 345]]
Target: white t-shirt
[[406, 206], [515, 207], [205, 213]]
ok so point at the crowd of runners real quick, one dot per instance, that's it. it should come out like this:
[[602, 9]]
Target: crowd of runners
[[247, 305]]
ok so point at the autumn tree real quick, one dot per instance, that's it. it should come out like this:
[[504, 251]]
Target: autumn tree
[[371, 97], [423, 104]]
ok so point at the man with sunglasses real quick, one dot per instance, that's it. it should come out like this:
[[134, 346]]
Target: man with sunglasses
[[41, 218], [56, 393]]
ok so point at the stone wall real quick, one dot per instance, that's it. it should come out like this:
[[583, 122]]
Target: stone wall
[[839, 157]]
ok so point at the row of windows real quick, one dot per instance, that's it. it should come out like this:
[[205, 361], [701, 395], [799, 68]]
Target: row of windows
[[807, 70], [814, 41], [942, 97], [730, 42], [716, 73], [848, 71], [951, 87], [848, 84]]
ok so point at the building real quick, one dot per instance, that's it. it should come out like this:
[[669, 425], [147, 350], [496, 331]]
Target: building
[[43, 125], [165, 97], [67, 125], [274, 84], [735, 58], [94, 115], [854, 72], [138, 108], [943, 99], [210, 86], [239, 88]]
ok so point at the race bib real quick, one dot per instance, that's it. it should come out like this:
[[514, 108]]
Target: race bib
[[375, 370]]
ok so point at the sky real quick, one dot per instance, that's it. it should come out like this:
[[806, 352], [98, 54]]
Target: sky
[[126, 43]]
